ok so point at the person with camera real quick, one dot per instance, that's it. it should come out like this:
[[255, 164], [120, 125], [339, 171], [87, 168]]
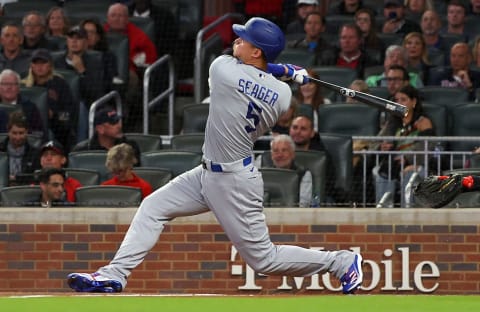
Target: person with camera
[[395, 21]]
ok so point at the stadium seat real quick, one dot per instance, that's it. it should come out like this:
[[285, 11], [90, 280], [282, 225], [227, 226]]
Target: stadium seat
[[108, 196], [157, 177], [335, 22], [341, 76], [349, 119], [282, 186], [389, 39], [146, 142], [314, 161], [298, 57], [465, 123], [93, 160], [191, 142], [448, 97], [84, 176], [177, 161], [118, 45], [20, 8], [379, 91], [195, 118], [438, 116], [4, 169], [146, 24], [18, 196], [339, 148]]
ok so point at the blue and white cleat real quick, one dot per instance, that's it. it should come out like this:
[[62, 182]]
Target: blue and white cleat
[[86, 282], [353, 278]]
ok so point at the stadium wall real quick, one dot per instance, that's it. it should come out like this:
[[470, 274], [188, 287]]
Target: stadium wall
[[406, 251]]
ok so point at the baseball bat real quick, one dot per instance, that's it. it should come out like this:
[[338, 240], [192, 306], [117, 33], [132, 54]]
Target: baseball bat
[[369, 99]]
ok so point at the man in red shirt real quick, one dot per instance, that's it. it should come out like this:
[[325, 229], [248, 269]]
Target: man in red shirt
[[52, 155], [142, 52], [120, 161]]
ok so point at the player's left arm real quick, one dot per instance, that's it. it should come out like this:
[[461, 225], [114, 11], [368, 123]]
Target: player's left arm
[[288, 72]]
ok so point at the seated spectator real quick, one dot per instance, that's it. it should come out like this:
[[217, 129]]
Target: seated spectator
[[57, 22], [458, 74], [395, 21], [62, 109], [90, 71], [418, 61], [414, 124], [313, 40], [365, 20], [346, 7], [282, 149], [13, 56], [52, 155], [311, 94], [142, 52], [97, 40], [414, 9], [305, 138], [456, 13], [52, 181], [34, 32], [394, 55], [10, 95], [431, 24], [108, 133], [120, 161], [22, 157], [304, 7], [350, 53]]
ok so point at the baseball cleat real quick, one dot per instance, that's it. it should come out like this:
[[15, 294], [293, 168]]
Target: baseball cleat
[[86, 282], [353, 278]]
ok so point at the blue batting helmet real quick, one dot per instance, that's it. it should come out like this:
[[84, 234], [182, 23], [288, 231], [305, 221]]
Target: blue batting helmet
[[263, 34]]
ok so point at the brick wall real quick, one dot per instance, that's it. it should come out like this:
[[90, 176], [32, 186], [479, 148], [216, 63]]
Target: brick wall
[[194, 256]]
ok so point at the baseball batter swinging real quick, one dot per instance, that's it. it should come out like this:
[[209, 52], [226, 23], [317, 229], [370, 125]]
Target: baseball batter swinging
[[246, 100]]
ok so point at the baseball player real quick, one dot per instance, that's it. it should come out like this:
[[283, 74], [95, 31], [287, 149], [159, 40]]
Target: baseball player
[[246, 100]]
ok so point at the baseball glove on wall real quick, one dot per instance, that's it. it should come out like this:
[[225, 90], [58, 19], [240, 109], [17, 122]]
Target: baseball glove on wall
[[437, 191]]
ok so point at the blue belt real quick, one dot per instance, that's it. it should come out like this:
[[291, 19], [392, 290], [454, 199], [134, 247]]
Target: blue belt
[[216, 167]]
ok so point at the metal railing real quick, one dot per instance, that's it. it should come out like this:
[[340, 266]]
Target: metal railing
[[98, 103], [169, 92], [198, 64], [425, 158]]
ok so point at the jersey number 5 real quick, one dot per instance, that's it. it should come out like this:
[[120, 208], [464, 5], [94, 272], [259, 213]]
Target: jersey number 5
[[252, 113]]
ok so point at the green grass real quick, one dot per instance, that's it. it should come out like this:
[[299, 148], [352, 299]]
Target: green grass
[[323, 303]]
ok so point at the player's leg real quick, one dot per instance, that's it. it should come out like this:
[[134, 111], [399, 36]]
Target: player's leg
[[181, 197], [236, 201]]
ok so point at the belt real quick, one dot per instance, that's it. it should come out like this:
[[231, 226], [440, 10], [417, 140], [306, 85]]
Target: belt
[[226, 167]]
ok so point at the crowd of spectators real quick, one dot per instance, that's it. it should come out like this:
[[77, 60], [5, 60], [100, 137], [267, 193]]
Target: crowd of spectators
[[410, 40]]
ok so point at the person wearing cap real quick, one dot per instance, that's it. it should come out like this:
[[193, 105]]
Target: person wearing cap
[[13, 56], [108, 133], [304, 7], [62, 108], [52, 155], [395, 21], [347, 7], [10, 97], [89, 67], [120, 162], [34, 32], [23, 158], [247, 98]]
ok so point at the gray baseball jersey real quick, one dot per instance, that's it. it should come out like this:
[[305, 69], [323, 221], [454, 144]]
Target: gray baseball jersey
[[245, 102]]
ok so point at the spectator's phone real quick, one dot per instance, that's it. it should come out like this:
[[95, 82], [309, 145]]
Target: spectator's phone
[[392, 15]]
